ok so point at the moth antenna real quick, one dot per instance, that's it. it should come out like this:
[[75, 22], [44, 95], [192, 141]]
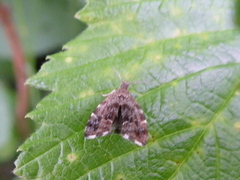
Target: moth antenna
[[118, 74]]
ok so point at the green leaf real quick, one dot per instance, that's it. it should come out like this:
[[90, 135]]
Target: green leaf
[[186, 53]]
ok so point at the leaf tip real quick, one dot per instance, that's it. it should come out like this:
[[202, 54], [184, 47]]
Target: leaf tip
[[28, 82], [29, 115]]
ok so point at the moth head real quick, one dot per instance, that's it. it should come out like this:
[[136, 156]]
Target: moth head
[[124, 85]]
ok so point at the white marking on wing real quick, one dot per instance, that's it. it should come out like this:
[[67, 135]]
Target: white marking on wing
[[126, 136], [94, 115], [144, 122], [105, 133], [91, 136], [138, 143]]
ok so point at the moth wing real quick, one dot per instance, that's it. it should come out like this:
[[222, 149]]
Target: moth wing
[[134, 126], [101, 120]]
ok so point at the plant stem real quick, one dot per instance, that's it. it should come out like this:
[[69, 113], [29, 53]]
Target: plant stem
[[19, 67]]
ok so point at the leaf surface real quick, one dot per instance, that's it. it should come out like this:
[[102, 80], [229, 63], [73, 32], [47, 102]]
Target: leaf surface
[[186, 53]]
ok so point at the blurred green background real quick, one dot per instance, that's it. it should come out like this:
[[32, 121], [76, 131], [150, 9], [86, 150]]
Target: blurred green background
[[43, 26]]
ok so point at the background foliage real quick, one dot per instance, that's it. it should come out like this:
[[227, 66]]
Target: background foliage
[[39, 26], [187, 51]]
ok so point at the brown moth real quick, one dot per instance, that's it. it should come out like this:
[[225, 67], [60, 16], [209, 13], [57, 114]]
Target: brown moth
[[121, 112]]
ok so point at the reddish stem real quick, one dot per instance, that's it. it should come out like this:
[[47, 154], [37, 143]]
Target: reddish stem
[[19, 68]]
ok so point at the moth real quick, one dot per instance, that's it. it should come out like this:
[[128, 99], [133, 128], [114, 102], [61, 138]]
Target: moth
[[119, 112]]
